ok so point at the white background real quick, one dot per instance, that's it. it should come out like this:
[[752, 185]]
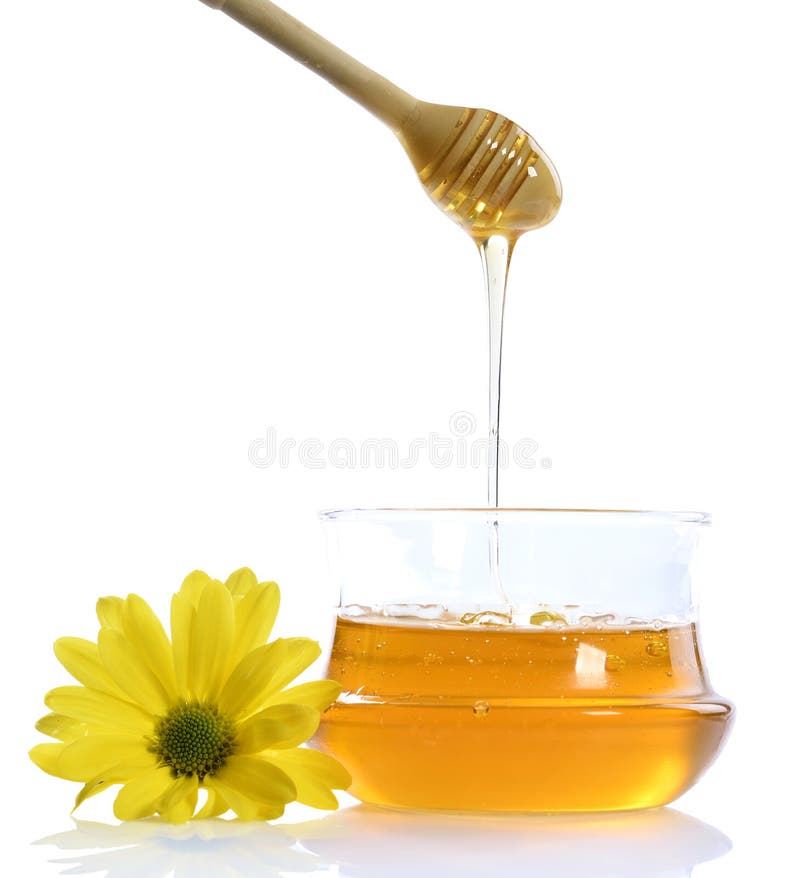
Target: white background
[[200, 241]]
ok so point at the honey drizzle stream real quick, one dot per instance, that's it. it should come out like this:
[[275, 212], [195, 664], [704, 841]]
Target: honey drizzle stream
[[496, 257], [495, 253]]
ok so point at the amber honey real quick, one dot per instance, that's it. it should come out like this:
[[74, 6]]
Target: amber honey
[[521, 718]]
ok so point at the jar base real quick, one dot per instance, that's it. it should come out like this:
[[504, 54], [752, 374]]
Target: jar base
[[526, 757]]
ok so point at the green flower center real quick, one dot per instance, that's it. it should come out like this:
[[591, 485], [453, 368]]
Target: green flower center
[[193, 738]]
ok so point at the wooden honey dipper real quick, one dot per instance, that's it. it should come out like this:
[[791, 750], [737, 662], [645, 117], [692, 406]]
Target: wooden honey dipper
[[480, 168]]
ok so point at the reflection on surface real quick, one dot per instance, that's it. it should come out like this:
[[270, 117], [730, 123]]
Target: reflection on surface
[[203, 849], [370, 842], [364, 842]]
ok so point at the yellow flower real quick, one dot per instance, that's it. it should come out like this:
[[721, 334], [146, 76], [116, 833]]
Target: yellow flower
[[205, 711]]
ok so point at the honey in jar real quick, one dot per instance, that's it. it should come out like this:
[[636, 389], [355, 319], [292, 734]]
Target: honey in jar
[[530, 718]]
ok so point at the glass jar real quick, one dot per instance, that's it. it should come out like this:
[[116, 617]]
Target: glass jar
[[519, 659]]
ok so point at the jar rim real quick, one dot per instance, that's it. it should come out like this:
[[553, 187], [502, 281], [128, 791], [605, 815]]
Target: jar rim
[[481, 512]]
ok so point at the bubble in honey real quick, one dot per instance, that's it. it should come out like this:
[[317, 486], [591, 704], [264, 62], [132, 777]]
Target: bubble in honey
[[614, 662], [486, 617], [546, 619], [431, 658], [656, 649], [480, 709]]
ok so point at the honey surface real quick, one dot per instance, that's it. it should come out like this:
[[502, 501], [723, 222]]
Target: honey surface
[[518, 718]]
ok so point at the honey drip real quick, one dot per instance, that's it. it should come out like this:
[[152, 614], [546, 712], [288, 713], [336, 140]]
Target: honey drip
[[479, 167], [483, 713]]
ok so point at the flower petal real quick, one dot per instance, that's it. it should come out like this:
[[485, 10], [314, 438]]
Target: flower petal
[[211, 641], [99, 708], [241, 581], [146, 633], [91, 788], [110, 611], [301, 653], [270, 812], [179, 803], [255, 615], [284, 725], [126, 666], [122, 772], [62, 728], [261, 782], [319, 694], [140, 796], [81, 658], [257, 779], [45, 756], [182, 624], [94, 755], [194, 585], [241, 805], [246, 687], [314, 775], [214, 806]]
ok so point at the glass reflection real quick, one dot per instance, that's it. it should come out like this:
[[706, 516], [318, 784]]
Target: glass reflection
[[364, 842], [367, 842]]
